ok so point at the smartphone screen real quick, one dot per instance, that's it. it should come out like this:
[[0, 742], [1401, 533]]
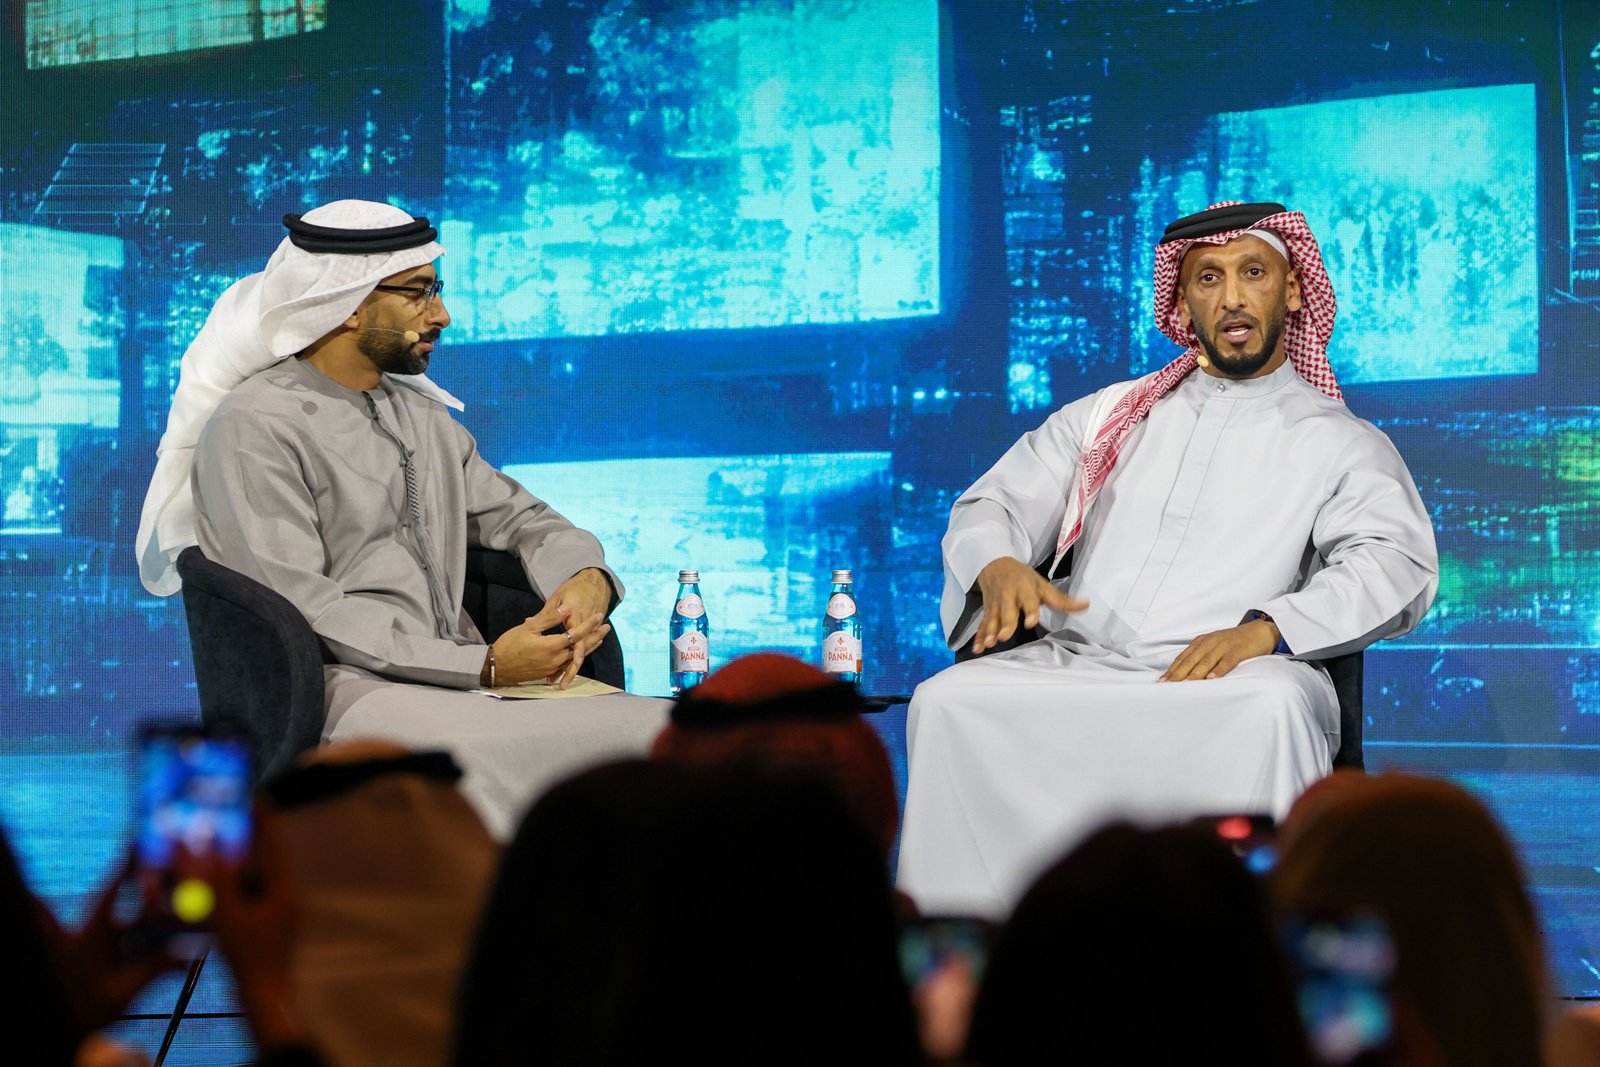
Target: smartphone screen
[[194, 797], [1251, 837], [1344, 969], [927, 944]]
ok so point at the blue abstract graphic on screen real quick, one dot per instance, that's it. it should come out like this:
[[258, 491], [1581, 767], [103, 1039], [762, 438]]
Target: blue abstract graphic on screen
[[760, 286], [63, 32], [1425, 208], [60, 329], [1426, 212], [703, 166], [764, 531]]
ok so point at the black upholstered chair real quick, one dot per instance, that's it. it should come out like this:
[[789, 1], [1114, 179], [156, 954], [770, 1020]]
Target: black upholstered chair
[[1346, 672], [258, 665]]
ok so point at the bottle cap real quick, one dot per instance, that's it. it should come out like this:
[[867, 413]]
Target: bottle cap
[[688, 577], [841, 578]]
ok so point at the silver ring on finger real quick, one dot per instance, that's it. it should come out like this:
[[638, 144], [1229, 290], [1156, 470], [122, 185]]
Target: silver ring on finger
[[569, 639]]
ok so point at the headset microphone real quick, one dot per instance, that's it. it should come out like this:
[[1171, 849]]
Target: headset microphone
[[411, 336]]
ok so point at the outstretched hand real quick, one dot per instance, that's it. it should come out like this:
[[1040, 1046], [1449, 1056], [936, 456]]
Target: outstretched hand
[[106, 963], [1011, 589], [1215, 654]]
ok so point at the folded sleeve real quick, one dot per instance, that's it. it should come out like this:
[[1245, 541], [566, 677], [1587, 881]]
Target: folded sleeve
[[502, 515], [1379, 566]]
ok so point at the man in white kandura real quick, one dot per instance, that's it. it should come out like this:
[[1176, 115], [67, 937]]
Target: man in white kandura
[[1230, 521], [328, 468]]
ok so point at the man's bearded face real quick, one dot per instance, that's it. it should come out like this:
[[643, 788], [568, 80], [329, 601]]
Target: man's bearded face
[[387, 316], [391, 353], [1242, 361], [1238, 297]]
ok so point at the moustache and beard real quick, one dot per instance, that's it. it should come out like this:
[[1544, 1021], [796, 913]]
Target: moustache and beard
[[1243, 364], [390, 352]]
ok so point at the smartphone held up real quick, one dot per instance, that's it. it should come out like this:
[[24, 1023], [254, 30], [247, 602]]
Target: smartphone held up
[[193, 804]]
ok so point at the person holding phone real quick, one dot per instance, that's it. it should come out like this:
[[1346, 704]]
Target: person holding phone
[[193, 800], [1428, 860], [62, 987]]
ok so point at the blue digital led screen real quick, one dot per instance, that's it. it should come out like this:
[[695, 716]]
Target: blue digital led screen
[[1425, 209], [60, 383], [720, 165], [759, 287], [653, 512], [63, 32]]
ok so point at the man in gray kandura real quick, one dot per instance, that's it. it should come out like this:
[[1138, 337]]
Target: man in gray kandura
[[328, 468]]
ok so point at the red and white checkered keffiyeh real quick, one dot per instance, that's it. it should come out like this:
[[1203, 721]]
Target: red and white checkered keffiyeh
[[1305, 338]]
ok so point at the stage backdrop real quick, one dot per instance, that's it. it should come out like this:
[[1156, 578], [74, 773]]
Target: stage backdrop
[[759, 286]]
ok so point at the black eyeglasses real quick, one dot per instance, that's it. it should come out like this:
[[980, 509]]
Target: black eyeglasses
[[424, 294]]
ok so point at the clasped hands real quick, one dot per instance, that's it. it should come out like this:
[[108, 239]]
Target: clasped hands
[[526, 652], [1011, 589]]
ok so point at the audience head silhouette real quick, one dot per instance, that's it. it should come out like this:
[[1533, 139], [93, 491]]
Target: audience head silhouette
[[661, 913], [1428, 859], [772, 709], [32, 1004], [1140, 946]]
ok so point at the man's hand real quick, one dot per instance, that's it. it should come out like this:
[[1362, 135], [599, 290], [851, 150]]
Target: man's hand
[[1215, 654], [255, 923], [586, 593], [106, 963], [526, 652], [1011, 588]]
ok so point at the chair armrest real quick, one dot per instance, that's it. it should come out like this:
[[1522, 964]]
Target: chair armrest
[[257, 662], [1348, 673], [499, 596], [488, 566]]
